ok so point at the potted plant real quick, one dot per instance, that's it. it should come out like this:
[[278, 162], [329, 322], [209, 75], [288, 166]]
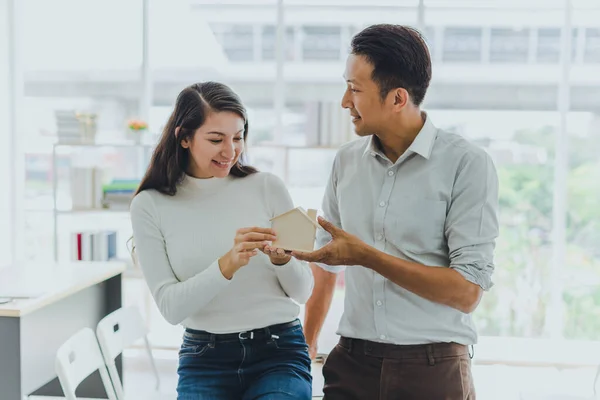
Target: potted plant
[[136, 128]]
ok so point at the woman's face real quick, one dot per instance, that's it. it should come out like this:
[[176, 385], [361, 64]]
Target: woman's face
[[216, 146]]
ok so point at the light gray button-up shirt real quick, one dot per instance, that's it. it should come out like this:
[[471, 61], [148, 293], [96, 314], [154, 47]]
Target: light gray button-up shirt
[[436, 205]]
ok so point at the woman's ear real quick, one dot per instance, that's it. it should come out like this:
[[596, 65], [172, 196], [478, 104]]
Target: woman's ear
[[185, 143]]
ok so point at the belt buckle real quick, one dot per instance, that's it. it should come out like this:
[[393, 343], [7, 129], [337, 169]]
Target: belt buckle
[[242, 335]]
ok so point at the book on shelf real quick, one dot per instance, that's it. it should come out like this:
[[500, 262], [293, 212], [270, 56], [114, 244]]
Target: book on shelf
[[74, 126], [89, 192], [86, 188], [118, 193], [93, 246]]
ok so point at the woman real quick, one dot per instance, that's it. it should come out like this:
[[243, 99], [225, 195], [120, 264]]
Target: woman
[[199, 223]]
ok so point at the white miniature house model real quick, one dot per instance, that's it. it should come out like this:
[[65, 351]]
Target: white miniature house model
[[295, 229]]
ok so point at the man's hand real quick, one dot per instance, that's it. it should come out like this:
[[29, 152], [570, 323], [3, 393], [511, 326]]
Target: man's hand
[[343, 249], [277, 256]]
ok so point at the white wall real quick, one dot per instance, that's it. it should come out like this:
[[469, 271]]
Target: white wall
[[5, 123]]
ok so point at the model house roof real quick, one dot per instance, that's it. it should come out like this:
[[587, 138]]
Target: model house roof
[[300, 210]]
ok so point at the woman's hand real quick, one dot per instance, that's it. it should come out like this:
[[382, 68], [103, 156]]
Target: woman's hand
[[277, 256], [247, 242]]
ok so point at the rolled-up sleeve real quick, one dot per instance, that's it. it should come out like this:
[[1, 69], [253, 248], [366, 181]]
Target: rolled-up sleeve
[[330, 213], [472, 221]]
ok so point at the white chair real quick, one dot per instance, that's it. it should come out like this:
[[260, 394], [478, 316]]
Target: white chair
[[77, 359], [117, 331]]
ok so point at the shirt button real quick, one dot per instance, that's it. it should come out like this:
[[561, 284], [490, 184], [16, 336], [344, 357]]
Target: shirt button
[[382, 337], [373, 154], [379, 303], [382, 204], [379, 237], [391, 173]]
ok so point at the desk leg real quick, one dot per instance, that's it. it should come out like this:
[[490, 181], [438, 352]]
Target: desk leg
[[114, 301], [10, 358]]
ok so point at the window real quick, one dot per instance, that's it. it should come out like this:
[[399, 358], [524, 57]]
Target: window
[[592, 46], [5, 167], [107, 35], [548, 47], [321, 43], [237, 41], [429, 36], [509, 45], [581, 296], [462, 44], [269, 42]]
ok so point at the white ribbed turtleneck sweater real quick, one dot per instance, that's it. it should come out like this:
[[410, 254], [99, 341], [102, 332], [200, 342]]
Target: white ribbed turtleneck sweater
[[179, 239]]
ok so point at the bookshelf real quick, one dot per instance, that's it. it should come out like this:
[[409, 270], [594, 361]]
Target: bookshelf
[[61, 148]]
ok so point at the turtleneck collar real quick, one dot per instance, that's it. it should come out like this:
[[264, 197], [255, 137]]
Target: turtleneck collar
[[205, 183]]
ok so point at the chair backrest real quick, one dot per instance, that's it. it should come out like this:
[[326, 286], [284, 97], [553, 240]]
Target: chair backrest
[[78, 358], [117, 331]]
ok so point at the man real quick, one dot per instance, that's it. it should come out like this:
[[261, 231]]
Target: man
[[412, 211]]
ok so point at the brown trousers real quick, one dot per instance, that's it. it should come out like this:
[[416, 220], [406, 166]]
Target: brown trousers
[[363, 370]]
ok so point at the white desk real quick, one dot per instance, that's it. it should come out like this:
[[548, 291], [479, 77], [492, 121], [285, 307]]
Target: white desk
[[68, 297]]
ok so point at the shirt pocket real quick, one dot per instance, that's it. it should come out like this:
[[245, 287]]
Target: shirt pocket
[[416, 225]]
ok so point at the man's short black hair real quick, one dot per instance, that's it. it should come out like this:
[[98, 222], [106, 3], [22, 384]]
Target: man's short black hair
[[399, 56]]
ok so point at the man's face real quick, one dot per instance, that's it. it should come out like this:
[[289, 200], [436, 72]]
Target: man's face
[[362, 97]]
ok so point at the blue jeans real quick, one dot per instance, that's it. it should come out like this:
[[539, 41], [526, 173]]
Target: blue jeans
[[264, 364]]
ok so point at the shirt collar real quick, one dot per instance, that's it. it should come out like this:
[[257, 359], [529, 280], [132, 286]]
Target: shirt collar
[[422, 145]]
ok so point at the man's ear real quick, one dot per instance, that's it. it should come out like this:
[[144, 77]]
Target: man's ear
[[400, 98]]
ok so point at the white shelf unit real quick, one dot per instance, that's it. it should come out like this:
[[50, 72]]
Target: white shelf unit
[[141, 149], [132, 274]]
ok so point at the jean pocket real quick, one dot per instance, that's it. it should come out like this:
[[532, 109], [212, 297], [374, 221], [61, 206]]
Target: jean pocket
[[291, 340], [188, 350]]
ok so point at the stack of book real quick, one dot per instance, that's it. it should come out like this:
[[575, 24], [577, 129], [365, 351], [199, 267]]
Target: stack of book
[[93, 246], [89, 193], [118, 194], [75, 127]]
